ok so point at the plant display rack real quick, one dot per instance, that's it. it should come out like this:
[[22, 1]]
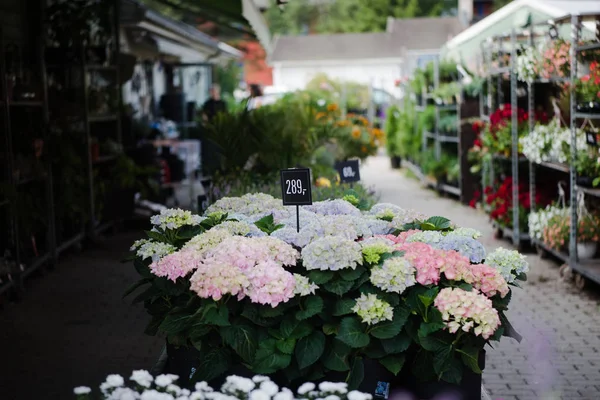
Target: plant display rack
[[582, 270], [16, 262], [435, 138], [494, 78]]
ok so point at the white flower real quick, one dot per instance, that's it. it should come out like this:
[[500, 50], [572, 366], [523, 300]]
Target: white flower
[[304, 286], [269, 387], [331, 387], [356, 395], [285, 394], [332, 253], [142, 378], [332, 397], [305, 388], [259, 395], [123, 393], [373, 310], [155, 395], [260, 378], [164, 380], [395, 275], [174, 219], [509, 263], [203, 387], [114, 380], [234, 384], [174, 389], [79, 390], [154, 250]]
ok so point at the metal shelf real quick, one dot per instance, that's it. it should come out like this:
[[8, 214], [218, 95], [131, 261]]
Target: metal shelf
[[35, 265], [430, 135], [555, 166], [590, 191], [589, 46], [447, 107], [70, 242], [449, 139], [24, 103], [450, 189]]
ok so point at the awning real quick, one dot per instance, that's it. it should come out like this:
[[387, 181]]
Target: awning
[[256, 20]]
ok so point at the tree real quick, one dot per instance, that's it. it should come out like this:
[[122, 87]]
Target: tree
[[339, 16]]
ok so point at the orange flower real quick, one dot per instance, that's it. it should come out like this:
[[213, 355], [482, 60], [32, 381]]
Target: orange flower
[[356, 132], [320, 115], [363, 149], [377, 132], [363, 120], [342, 123], [332, 107]]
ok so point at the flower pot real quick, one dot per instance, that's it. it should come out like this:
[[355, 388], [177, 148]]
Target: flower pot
[[396, 161], [586, 250], [585, 181]]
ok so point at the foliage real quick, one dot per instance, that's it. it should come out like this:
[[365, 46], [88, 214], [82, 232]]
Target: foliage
[[588, 86], [323, 87], [391, 129], [301, 17], [229, 76]]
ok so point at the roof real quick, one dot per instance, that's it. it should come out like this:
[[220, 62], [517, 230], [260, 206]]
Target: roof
[[401, 35], [544, 8]]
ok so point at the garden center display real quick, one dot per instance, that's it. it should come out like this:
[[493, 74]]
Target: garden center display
[[383, 295]]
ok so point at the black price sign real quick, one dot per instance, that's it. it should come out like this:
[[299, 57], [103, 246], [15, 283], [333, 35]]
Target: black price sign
[[591, 138], [349, 171], [296, 187]]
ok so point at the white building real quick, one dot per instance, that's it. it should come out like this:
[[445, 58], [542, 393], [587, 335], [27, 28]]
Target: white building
[[378, 58]]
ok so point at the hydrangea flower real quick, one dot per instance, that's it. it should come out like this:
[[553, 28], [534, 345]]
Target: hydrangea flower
[[176, 265], [331, 253], [467, 246], [249, 204], [174, 219], [376, 226], [238, 385], [149, 249], [426, 261], [142, 378], [81, 390], [509, 263], [373, 310], [240, 228], [330, 225], [432, 238], [395, 275], [406, 217], [466, 232], [469, 311], [270, 284], [386, 211], [334, 207], [286, 234], [374, 247], [356, 395], [489, 281], [304, 286], [207, 240]]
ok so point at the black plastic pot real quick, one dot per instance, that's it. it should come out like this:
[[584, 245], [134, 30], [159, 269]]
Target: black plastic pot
[[585, 181], [396, 162], [182, 361]]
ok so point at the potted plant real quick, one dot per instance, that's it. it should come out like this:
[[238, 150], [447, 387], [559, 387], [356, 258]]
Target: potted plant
[[588, 90], [588, 229], [587, 168], [391, 135], [335, 301]]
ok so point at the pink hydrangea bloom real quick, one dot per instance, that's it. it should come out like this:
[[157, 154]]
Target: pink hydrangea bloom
[[426, 261], [176, 265], [469, 311], [489, 280], [401, 238], [270, 284], [215, 280]]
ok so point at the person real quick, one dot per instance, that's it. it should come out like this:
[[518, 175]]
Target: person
[[255, 101], [214, 105]]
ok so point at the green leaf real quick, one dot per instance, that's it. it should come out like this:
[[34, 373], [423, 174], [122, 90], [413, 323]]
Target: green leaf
[[251, 313], [440, 223], [175, 323], [159, 237], [330, 329], [242, 339], [188, 231], [357, 374], [434, 343], [320, 277], [268, 359], [309, 349], [389, 329], [197, 334], [338, 286], [311, 306], [422, 366], [398, 344], [351, 333], [349, 274], [212, 364], [428, 297], [435, 323], [393, 364], [509, 331], [267, 224], [147, 294], [441, 360], [523, 276], [343, 306], [466, 287], [271, 312], [136, 285], [218, 316], [453, 371], [336, 358], [374, 350], [294, 329], [286, 346], [469, 355]]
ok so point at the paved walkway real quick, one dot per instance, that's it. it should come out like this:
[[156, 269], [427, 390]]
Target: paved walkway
[[559, 356], [73, 328]]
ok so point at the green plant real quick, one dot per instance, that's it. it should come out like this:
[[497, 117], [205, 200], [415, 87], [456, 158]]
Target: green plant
[[427, 119], [391, 129], [475, 88], [448, 123]]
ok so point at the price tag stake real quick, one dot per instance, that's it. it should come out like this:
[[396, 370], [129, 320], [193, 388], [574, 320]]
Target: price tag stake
[[349, 171], [296, 189], [591, 138]]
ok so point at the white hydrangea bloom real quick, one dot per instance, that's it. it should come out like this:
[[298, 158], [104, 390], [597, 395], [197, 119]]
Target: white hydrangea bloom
[[165, 380], [331, 253], [304, 286], [356, 395], [466, 232], [306, 387], [395, 275], [81, 390], [333, 387], [142, 378], [285, 394], [234, 384], [123, 393], [240, 228], [154, 250], [207, 240], [269, 387], [509, 263], [259, 395], [373, 310], [429, 237], [334, 207], [175, 218], [156, 395]]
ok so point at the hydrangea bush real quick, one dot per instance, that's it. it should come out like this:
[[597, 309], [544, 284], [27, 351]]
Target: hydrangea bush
[[143, 386], [385, 285]]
